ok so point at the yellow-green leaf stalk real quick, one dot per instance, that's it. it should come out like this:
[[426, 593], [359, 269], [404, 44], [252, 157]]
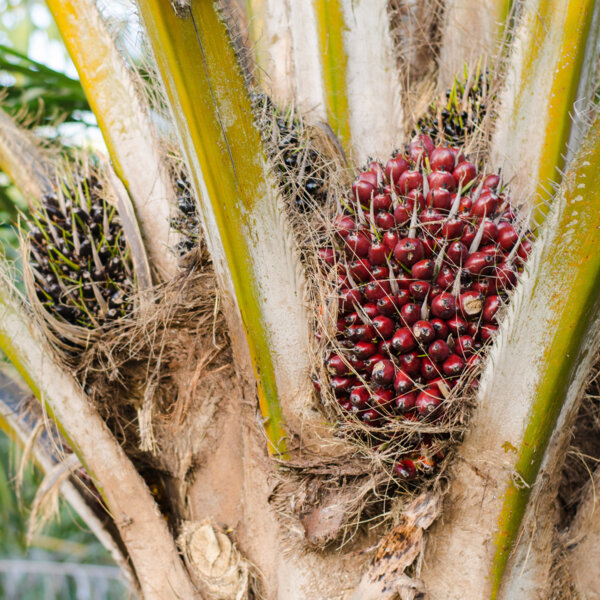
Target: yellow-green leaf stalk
[[124, 120], [544, 77], [532, 377], [253, 253], [144, 532]]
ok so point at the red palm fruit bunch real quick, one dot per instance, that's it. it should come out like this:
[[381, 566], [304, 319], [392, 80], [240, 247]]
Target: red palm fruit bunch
[[425, 253]]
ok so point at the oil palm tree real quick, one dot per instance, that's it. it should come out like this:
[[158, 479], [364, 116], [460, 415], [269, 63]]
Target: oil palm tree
[[200, 432]]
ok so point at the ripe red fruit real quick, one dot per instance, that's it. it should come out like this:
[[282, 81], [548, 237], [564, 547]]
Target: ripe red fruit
[[485, 205], [442, 159], [385, 220], [342, 385], [491, 182], [408, 251], [405, 402], [336, 365], [453, 228], [442, 179], [465, 172], [457, 325], [431, 220], [488, 332], [441, 329], [410, 363], [370, 417], [428, 401], [409, 180], [424, 332], [406, 469], [360, 269], [377, 289], [363, 189], [443, 305], [410, 313], [490, 308], [363, 350], [370, 310], [359, 397], [383, 372], [384, 326], [453, 365], [377, 253], [445, 278], [402, 214], [403, 382], [524, 249], [372, 361], [507, 237], [327, 255], [470, 303], [349, 297], [438, 351], [479, 263], [468, 235], [365, 333], [439, 198], [419, 289], [428, 369], [381, 201], [423, 269], [358, 244], [382, 398], [394, 168], [380, 272], [403, 340], [343, 225], [387, 306], [464, 346]]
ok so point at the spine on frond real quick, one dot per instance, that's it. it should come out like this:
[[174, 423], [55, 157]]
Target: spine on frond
[[528, 384], [544, 75], [123, 117]]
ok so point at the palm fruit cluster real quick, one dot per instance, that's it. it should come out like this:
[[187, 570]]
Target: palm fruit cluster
[[78, 257], [424, 255], [455, 119], [186, 221], [302, 174]]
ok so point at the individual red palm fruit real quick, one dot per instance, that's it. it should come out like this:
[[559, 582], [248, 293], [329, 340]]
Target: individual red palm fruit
[[442, 159], [403, 279], [371, 417], [390, 239], [377, 289], [486, 205], [402, 214], [465, 172], [360, 269], [431, 220], [438, 351], [370, 310], [409, 251], [387, 306], [383, 372], [403, 382], [414, 198], [359, 397], [424, 332], [364, 332], [457, 253], [453, 228], [470, 304], [403, 341], [441, 329], [446, 277], [490, 308], [405, 402], [358, 365], [381, 201], [491, 182], [405, 469], [505, 277], [442, 179], [468, 235], [385, 220], [428, 369], [488, 332], [395, 167], [439, 198], [385, 347], [377, 253], [327, 255], [464, 346], [343, 385], [443, 305], [457, 325], [453, 365], [380, 272], [410, 363], [365, 187], [419, 289], [363, 350], [371, 361], [410, 314], [382, 398], [384, 326], [423, 269], [357, 244], [479, 263], [409, 180], [428, 401], [507, 236], [349, 297], [336, 365], [343, 225], [524, 249]]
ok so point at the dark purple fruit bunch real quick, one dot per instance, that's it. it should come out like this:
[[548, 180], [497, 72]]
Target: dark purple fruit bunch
[[81, 272], [299, 166], [425, 253]]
